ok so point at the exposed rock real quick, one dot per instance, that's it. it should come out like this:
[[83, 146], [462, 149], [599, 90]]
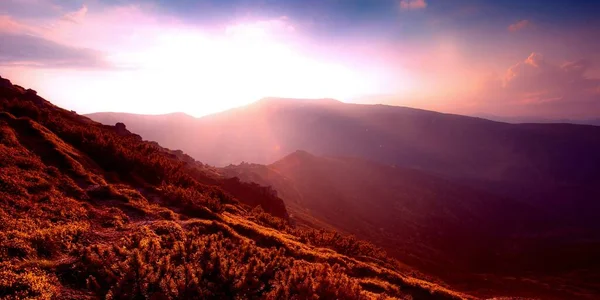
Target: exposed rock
[[122, 130], [256, 195], [5, 83], [32, 95], [19, 88]]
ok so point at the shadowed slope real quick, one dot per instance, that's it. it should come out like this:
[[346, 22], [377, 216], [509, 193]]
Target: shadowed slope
[[429, 222]]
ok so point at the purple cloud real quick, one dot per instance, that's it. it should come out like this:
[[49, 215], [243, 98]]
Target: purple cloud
[[548, 81], [29, 50], [413, 4], [520, 25]]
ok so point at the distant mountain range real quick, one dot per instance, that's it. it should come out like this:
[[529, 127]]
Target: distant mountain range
[[542, 164], [434, 189]]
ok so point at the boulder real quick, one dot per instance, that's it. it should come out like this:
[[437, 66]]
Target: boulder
[[19, 89], [121, 129]]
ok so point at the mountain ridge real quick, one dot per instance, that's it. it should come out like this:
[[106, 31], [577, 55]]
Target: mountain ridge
[[468, 149]]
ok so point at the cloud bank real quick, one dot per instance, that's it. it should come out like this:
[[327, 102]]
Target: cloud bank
[[539, 87], [34, 44], [76, 16], [32, 51], [544, 81]]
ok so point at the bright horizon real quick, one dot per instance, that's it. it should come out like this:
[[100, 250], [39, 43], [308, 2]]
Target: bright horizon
[[156, 57]]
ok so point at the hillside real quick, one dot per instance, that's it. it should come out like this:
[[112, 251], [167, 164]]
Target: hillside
[[419, 217], [92, 211], [474, 240]]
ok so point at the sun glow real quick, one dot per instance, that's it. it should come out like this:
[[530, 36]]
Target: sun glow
[[213, 73], [159, 65]]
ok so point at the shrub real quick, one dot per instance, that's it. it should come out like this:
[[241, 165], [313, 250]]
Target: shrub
[[29, 284]]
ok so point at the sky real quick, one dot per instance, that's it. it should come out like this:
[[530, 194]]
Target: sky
[[507, 58]]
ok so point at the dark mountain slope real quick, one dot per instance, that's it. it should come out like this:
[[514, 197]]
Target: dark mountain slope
[[418, 216], [429, 222], [92, 211]]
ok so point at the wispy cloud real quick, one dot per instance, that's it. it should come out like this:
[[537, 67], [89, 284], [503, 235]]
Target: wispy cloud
[[32, 51], [76, 16], [520, 25], [412, 4], [9, 25], [32, 43]]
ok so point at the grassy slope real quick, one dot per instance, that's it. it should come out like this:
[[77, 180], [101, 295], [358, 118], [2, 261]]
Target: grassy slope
[[87, 211]]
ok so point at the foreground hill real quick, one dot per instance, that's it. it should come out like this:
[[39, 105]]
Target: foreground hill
[[92, 211], [486, 244]]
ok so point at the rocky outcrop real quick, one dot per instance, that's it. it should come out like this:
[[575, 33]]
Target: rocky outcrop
[[256, 195], [122, 130], [5, 83]]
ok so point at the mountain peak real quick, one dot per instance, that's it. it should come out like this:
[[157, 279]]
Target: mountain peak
[[298, 156], [301, 153]]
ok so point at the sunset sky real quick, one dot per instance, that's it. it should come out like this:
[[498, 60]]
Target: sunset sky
[[509, 58]]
